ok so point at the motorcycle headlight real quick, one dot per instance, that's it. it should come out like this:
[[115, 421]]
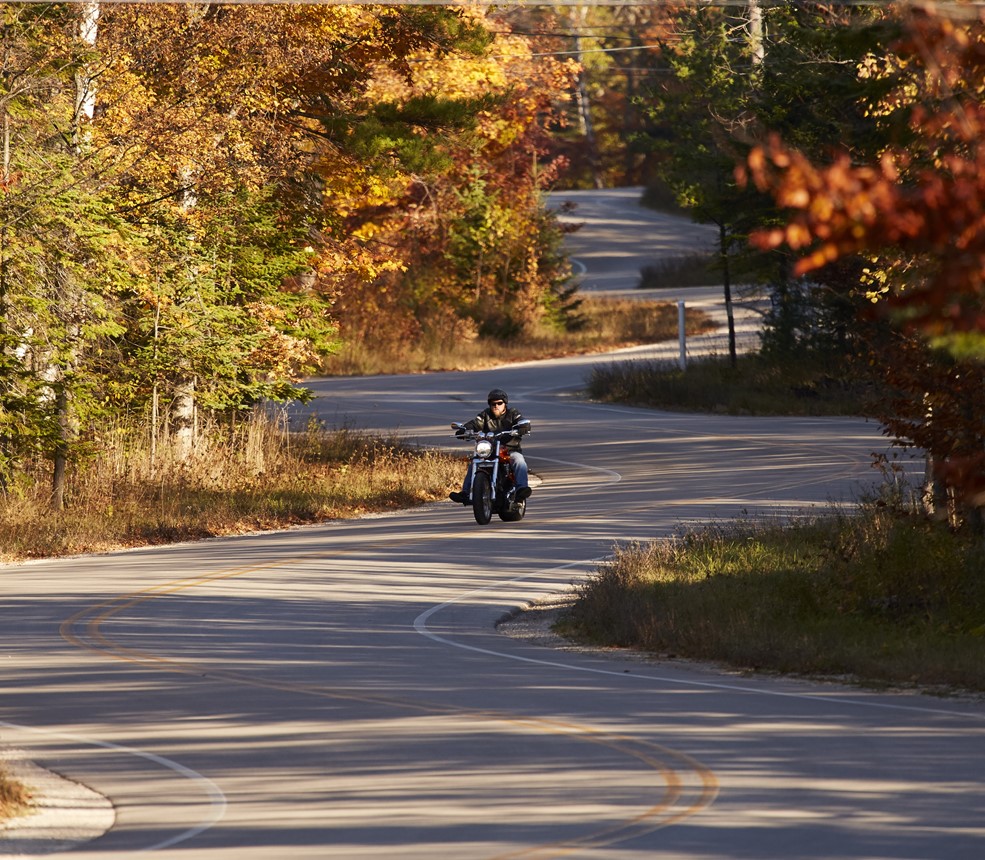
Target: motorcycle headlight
[[483, 447]]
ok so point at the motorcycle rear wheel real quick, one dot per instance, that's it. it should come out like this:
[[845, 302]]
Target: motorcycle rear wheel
[[515, 514], [482, 506]]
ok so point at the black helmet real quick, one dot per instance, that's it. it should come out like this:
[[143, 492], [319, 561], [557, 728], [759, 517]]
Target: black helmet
[[497, 394]]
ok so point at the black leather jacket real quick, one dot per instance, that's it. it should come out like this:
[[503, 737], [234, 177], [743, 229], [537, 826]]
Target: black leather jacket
[[488, 423]]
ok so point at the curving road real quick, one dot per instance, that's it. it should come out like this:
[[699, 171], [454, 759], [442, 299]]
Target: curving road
[[341, 691]]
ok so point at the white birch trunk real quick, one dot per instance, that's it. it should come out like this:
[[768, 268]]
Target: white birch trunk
[[757, 45], [183, 418], [69, 300], [85, 82]]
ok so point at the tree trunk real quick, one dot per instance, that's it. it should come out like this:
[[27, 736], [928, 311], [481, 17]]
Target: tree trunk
[[6, 146], [69, 301], [584, 108], [85, 83], [4, 221], [67, 431], [757, 47], [183, 418]]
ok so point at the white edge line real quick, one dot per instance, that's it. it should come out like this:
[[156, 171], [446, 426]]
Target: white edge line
[[420, 626], [217, 800]]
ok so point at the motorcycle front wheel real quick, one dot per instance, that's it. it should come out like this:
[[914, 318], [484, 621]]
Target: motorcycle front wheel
[[482, 506]]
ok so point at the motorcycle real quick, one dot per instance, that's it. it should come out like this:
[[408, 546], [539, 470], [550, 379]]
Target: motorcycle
[[493, 484]]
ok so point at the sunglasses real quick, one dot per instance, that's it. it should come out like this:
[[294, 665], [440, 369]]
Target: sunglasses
[[496, 402]]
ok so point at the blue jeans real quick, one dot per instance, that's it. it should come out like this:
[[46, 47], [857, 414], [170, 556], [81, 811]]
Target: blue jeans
[[519, 472]]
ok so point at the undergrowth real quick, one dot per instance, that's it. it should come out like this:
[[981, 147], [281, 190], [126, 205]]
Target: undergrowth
[[254, 476], [15, 798], [882, 595], [753, 387], [690, 270], [602, 324]]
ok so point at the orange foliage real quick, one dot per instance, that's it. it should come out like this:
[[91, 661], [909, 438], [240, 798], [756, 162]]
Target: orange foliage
[[921, 208], [918, 213]]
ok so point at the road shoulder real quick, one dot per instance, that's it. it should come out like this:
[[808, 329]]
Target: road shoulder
[[63, 813]]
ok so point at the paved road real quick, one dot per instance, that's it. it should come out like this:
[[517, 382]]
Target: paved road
[[341, 691], [615, 238]]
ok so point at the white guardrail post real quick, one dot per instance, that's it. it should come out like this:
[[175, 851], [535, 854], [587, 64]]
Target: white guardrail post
[[681, 336]]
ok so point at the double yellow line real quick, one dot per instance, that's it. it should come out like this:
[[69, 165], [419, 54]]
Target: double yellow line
[[678, 801]]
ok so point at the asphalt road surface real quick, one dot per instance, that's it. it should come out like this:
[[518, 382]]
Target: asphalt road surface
[[341, 691]]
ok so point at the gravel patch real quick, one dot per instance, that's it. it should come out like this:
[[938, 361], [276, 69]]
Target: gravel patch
[[533, 624]]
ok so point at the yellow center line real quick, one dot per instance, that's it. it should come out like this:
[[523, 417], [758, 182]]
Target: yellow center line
[[669, 763]]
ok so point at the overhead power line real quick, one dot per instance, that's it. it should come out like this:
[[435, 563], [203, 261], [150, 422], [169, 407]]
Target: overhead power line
[[594, 51]]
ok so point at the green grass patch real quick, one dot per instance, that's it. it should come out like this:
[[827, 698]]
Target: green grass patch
[[755, 386], [882, 597]]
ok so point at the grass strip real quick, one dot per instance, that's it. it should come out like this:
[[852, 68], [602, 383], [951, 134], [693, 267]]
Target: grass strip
[[881, 597], [753, 387], [602, 324]]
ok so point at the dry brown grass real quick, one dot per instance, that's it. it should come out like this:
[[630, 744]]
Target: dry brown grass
[[606, 324], [254, 477], [15, 799]]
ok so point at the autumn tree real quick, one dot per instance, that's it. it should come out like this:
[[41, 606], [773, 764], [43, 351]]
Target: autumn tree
[[161, 238], [444, 190], [914, 213], [211, 162], [63, 257], [697, 113], [242, 161], [187, 208], [734, 73]]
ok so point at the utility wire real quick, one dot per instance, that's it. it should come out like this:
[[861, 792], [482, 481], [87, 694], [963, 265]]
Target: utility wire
[[590, 51]]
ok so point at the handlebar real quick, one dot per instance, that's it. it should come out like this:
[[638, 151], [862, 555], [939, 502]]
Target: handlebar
[[462, 433]]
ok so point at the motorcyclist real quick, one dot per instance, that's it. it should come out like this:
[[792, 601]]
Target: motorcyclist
[[497, 417]]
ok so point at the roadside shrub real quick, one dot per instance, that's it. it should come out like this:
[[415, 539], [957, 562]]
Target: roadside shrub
[[756, 385], [882, 595], [691, 270]]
